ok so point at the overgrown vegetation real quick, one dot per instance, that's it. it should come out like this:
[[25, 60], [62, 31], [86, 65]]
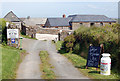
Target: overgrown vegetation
[[69, 43], [3, 32], [46, 68], [26, 36], [107, 35], [80, 63], [11, 57]]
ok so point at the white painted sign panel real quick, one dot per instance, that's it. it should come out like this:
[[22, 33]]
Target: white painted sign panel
[[12, 33]]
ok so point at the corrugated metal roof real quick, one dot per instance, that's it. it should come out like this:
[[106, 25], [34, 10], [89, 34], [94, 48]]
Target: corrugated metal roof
[[34, 21], [59, 21], [12, 17], [90, 18]]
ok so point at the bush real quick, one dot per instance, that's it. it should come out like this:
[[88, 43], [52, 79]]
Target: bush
[[76, 48], [69, 42], [107, 35], [3, 31]]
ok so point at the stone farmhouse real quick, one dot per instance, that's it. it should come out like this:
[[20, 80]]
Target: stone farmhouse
[[14, 19], [73, 22]]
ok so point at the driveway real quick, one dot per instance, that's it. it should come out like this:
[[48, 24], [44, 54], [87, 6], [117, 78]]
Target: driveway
[[30, 67]]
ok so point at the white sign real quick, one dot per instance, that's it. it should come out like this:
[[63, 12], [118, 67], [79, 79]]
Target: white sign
[[12, 33]]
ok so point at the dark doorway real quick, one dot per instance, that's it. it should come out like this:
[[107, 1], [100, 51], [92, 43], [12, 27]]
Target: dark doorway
[[81, 24], [101, 23], [110, 23], [92, 24]]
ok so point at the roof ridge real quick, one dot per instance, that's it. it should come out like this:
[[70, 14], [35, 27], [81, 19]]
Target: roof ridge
[[14, 15]]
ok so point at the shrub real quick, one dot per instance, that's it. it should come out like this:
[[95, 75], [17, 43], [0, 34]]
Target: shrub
[[3, 31], [69, 42], [107, 35], [76, 48]]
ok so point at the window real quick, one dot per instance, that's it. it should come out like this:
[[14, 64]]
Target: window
[[81, 24], [101, 24], [110, 23], [92, 24]]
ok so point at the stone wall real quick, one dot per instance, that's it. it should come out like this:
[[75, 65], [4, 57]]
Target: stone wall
[[47, 31], [31, 32], [18, 25], [63, 34], [87, 24]]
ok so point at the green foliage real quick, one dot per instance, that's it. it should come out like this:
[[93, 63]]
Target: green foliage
[[107, 35], [26, 36], [84, 36], [76, 48], [69, 42], [10, 60], [3, 31], [80, 63]]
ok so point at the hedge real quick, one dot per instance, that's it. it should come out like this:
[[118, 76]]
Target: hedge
[[3, 31], [107, 35]]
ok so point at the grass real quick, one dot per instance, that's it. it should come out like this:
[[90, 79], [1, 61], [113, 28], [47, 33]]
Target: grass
[[26, 36], [11, 57], [59, 45], [46, 68], [80, 63]]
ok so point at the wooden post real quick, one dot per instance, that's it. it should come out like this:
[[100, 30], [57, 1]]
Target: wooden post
[[101, 52], [102, 48]]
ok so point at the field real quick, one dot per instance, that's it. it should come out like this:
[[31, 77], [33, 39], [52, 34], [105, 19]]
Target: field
[[11, 57]]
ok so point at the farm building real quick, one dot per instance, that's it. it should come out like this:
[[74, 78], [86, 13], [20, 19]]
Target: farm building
[[73, 22], [11, 17]]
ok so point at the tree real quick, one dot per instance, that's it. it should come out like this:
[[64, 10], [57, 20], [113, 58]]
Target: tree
[[3, 31]]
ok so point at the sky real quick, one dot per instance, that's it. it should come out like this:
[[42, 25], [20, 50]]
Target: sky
[[52, 8], [59, 0]]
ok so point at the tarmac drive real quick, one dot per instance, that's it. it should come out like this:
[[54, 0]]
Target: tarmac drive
[[30, 66]]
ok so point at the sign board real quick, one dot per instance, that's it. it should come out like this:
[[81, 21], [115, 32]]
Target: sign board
[[12, 33], [12, 40], [93, 56]]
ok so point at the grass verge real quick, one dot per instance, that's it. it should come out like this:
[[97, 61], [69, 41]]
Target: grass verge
[[80, 63], [26, 36], [47, 73], [11, 57]]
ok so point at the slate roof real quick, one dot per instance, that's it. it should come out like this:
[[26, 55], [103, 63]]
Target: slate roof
[[90, 18], [34, 21], [22, 19], [59, 21], [12, 17]]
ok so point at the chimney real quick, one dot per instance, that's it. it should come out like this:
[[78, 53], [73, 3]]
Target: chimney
[[64, 16], [28, 17]]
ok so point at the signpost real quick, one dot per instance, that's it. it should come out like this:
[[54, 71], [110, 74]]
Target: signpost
[[13, 37], [21, 43], [93, 56], [12, 40]]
